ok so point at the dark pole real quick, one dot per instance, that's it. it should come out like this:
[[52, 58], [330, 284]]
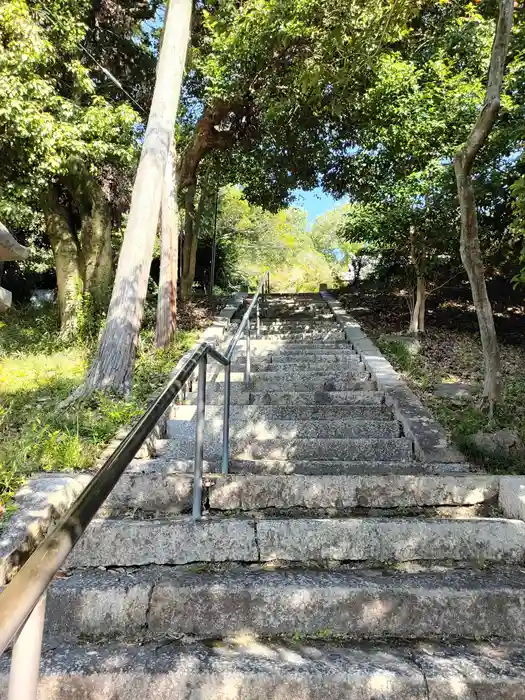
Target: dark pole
[[214, 247]]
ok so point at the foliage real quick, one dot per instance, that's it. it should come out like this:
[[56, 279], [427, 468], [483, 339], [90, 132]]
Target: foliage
[[253, 240], [37, 373]]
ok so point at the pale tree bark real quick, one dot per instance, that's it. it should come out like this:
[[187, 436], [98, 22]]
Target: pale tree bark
[[96, 252], [418, 259], [470, 248], [166, 324], [113, 364], [69, 276]]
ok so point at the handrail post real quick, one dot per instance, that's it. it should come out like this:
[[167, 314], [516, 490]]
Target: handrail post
[[199, 439], [258, 321], [226, 421], [25, 660], [247, 371]]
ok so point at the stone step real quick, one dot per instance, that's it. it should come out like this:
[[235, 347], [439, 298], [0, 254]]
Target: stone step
[[320, 357], [287, 429], [165, 486], [300, 363], [162, 602], [358, 392], [248, 669], [182, 540], [287, 381], [374, 412], [246, 447], [303, 376], [319, 335], [252, 492], [276, 344]]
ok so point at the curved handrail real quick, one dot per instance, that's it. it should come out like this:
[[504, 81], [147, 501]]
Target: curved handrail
[[21, 595]]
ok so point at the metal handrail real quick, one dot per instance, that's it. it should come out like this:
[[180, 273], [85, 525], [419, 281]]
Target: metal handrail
[[263, 288], [22, 602]]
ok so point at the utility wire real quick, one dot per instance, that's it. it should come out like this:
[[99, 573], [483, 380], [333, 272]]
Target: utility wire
[[102, 68]]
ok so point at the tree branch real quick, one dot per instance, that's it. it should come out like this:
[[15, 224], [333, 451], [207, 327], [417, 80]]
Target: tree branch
[[486, 118]]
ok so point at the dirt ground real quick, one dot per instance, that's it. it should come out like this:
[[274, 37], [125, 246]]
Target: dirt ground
[[450, 351]]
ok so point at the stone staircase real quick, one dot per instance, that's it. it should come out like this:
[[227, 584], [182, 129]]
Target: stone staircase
[[329, 564]]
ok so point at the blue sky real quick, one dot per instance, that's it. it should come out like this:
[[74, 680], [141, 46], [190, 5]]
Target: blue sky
[[315, 202]]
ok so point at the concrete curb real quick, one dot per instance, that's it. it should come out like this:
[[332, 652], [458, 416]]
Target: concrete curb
[[430, 441], [45, 498]]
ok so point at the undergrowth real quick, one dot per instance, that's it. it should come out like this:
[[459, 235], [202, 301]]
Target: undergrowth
[[37, 372], [444, 357]]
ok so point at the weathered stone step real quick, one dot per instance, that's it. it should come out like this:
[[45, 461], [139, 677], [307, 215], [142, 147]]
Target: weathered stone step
[[358, 393], [303, 377], [287, 429], [165, 486], [308, 381], [181, 540], [278, 345], [374, 412], [314, 356], [252, 492], [246, 447], [159, 603], [250, 669], [298, 363], [291, 336]]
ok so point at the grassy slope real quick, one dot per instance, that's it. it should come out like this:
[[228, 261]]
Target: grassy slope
[[37, 373], [451, 352]]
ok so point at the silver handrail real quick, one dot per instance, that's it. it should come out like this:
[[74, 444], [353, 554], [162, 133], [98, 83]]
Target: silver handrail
[[263, 289], [22, 602]]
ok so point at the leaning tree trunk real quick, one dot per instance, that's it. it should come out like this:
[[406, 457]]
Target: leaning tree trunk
[[169, 259], [69, 278], [113, 364], [417, 319], [418, 258], [189, 243], [470, 247], [96, 253]]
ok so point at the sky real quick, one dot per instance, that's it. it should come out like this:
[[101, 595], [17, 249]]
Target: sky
[[315, 202]]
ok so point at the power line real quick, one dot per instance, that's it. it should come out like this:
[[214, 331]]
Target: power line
[[102, 68]]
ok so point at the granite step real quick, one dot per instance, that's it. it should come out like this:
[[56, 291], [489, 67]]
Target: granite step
[[166, 603], [253, 492], [289, 377], [287, 429], [359, 392], [249, 669], [166, 461], [375, 412], [308, 381], [340, 449], [298, 363], [182, 540], [166, 486]]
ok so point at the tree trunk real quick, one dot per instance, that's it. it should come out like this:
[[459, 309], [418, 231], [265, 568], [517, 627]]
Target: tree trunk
[[169, 259], [418, 259], [191, 234], [417, 320], [422, 293], [96, 252], [69, 279], [113, 364], [471, 257], [470, 247]]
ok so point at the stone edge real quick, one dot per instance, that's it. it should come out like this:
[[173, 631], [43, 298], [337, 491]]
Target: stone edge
[[45, 498], [429, 439], [511, 498]]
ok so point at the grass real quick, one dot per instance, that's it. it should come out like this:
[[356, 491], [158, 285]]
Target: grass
[[37, 373]]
